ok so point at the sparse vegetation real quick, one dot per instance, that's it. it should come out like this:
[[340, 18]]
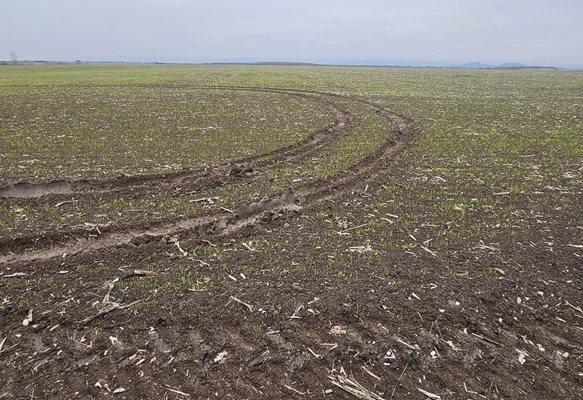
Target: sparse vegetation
[[447, 257]]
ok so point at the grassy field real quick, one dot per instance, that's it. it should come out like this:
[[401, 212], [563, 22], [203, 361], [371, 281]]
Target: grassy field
[[434, 239], [61, 130]]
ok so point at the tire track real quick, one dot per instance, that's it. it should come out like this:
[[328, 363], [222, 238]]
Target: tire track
[[221, 224], [215, 176]]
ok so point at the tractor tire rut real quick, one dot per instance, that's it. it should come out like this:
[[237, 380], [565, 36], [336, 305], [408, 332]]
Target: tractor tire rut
[[400, 131]]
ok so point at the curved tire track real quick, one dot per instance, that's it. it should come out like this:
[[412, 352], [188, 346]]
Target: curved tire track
[[222, 223], [214, 176]]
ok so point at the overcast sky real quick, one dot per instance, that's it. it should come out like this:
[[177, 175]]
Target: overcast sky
[[404, 31]]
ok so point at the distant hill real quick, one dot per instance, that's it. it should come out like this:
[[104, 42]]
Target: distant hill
[[473, 65], [509, 65]]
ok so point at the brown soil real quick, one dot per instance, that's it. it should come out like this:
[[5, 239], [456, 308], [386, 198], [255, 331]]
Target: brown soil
[[253, 302], [25, 189]]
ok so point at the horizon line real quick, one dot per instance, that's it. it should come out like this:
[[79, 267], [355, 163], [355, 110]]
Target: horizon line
[[356, 63]]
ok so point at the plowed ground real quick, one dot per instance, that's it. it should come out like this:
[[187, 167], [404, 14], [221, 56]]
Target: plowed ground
[[389, 252]]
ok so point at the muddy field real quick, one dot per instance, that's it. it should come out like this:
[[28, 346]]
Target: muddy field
[[290, 232]]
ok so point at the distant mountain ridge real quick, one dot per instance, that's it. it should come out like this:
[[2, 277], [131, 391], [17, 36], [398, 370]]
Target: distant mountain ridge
[[473, 65], [508, 65], [251, 61]]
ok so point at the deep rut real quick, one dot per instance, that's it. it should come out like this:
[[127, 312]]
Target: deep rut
[[400, 131], [214, 176]]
